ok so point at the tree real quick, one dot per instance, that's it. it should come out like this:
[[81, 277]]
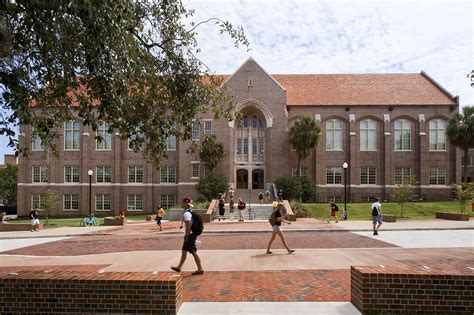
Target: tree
[[211, 185], [51, 202], [129, 63], [403, 192], [463, 193], [8, 183], [208, 150], [291, 187], [460, 133], [304, 136]]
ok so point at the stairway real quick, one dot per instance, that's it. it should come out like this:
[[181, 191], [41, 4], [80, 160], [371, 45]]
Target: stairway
[[244, 194], [262, 212]]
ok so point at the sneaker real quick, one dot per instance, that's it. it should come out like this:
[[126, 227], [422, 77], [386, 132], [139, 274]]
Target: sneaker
[[375, 233], [37, 230], [336, 221], [176, 269], [197, 272], [32, 230], [291, 251]]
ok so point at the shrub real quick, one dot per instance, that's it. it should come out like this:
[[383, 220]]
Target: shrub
[[295, 188], [211, 185], [300, 210], [308, 190]]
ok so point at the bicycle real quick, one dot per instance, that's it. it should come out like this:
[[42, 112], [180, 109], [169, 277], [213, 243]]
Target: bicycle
[[89, 220], [252, 214]]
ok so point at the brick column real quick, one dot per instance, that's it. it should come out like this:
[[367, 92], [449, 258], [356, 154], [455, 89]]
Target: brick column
[[351, 156], [116, 190], [86, 165], [421, 173], [386, 156], [23, 200]]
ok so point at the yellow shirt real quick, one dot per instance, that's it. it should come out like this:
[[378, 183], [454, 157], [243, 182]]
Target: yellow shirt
[[161, 212]]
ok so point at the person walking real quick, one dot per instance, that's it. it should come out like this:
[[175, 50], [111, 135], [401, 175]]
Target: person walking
[[231, 193], [276, 219], [34, 220], [334, 209], [160, 214], [189, 243], [231, 209], [221, 209], [376, 215], [241, 208], [280, 195], [267, 195], [260, 197]]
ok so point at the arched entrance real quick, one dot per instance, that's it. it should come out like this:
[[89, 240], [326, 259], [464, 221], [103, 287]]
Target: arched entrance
[[257, 179], [242, 179]]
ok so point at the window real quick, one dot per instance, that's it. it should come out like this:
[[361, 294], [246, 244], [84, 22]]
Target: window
[[71, 135], [334, 175], [333, 135], [245, 122], [195, 170], [335, 198], [368, 135], [402, 135], [246, 146], [40, 174], [38, 201], [103, 174], [367, 199], [37, 144], [71, 174], [135, 174], [207, 170], [105, 141], [437, 176], [437, 135], [254, 147], [171, 143], [196, 130], [168, 174], [402, 175], [367, 176], [135, 202], [208, 127], [102, 202], [71, 202], [167, 201], [304, 171], [239, 146]]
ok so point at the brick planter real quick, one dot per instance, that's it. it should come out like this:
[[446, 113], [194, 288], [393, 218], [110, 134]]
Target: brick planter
[[86, 292], [452, 216], [391, 290], [8, 227], [151, 217], [114, 221], [389, 218]]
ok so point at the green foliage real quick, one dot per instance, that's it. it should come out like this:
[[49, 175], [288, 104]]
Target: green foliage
[[208, 150], [460, 132], [52, 201], [211, 185], [463, 193], [8, 183], [295, 188], [130, 63], [300, 210], [304, 136], [308, 193], [402, 193]]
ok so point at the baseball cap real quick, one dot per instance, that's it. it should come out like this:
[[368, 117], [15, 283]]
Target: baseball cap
[[189, 201]]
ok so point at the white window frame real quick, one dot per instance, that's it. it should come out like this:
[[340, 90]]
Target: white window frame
[[73, 199], [42, 175], [133, 174], [167, 175], [74, 172], [171, 143], [437, 172], [207, 170], [40, 201], [332, 171], [36, 143], [369, 175], [368, 135], [195, 173], [167, 201], [106, 143], [73, 127], [437, 132], [100, 202], [304, 172], [103, 171], [334, 132], [208, 127], [402, 175], [401, 127], [196, 131], [134, 201]]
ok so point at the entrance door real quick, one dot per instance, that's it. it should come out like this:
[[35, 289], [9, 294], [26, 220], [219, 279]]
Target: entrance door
[[257, 179], [242, 179]]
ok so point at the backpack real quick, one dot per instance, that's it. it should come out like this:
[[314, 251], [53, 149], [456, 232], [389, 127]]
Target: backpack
[[272, 220], [198, 226], [375, 211], [336, 208]]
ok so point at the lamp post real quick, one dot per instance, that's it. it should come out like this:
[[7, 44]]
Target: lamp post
[[344, 214], [90, 173]]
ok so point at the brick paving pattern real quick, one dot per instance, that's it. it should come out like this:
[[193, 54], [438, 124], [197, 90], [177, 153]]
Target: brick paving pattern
[[100, 244]]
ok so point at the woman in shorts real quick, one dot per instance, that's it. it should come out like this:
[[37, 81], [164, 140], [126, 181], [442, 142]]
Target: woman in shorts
[[278, 213]]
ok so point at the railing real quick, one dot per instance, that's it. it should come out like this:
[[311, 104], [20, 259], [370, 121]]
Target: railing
[[209, 215], [289, 212]]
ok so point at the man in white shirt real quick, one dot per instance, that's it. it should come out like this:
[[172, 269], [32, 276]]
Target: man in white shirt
[[189, 243], [376, 215]]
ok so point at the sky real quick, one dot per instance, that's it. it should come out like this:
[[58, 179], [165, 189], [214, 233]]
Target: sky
[[288, 36]]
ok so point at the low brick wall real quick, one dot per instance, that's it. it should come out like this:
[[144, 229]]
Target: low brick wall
[[75, 292], [389, 218], [8, 227], [114, 221], [452, 216], [392, 290]]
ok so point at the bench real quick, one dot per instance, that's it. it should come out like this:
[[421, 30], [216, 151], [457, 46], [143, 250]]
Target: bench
[[114, 221], [452, 216], [8, 227], [389, 218]]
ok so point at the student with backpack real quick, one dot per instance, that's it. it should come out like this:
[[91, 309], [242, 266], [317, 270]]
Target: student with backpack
[[275, 221], [334, 210], [221, 207], [376, 215], [241, 207], [193, 227]]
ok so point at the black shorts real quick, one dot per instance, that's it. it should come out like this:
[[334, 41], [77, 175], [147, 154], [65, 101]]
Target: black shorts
[[190, 245], [158, 220]]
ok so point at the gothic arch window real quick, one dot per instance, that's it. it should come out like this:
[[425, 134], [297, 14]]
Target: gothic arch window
[[250, 138]]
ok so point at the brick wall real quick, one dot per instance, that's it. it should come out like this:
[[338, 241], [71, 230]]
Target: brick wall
[[17, 227], [88, 292], [394, 290]]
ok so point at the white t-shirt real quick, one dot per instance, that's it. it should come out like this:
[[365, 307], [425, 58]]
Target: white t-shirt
[[376, 205], [187, 216]]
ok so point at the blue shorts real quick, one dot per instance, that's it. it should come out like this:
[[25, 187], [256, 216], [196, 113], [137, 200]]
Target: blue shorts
[[376, 219]]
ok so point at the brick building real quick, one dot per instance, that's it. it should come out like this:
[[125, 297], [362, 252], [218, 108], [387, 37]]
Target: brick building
[[385, 126]]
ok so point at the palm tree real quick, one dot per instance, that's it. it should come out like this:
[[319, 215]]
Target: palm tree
[[460, 133], [304, 136]]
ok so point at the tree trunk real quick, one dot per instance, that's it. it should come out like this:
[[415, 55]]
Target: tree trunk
[[464, 162]]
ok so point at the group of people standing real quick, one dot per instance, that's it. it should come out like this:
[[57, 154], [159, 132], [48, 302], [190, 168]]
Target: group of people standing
[[240, 206]]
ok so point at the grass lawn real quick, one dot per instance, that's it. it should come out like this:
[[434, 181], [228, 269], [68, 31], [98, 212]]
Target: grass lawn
[[412, 211], [58, 222]]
